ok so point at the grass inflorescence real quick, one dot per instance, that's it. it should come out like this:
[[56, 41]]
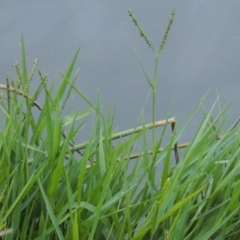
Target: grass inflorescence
[[53, 188]]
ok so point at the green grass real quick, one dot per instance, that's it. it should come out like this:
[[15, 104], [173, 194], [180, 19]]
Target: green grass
[[54, 188]]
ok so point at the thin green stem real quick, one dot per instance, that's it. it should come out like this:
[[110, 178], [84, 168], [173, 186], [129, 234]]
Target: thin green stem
[[154, 93]]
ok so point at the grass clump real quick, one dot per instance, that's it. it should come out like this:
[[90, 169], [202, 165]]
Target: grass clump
[[52, 188]]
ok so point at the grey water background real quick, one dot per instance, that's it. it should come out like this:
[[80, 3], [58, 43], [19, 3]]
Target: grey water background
[[202, 52]]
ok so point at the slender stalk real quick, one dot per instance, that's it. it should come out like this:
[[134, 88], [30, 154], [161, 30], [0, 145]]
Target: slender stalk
[[130, 132], [154, 93]]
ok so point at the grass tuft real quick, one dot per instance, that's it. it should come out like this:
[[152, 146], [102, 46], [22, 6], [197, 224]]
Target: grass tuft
[[107, 188]]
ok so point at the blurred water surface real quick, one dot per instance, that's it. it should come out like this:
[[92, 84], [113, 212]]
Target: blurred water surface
[[202, 51]]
